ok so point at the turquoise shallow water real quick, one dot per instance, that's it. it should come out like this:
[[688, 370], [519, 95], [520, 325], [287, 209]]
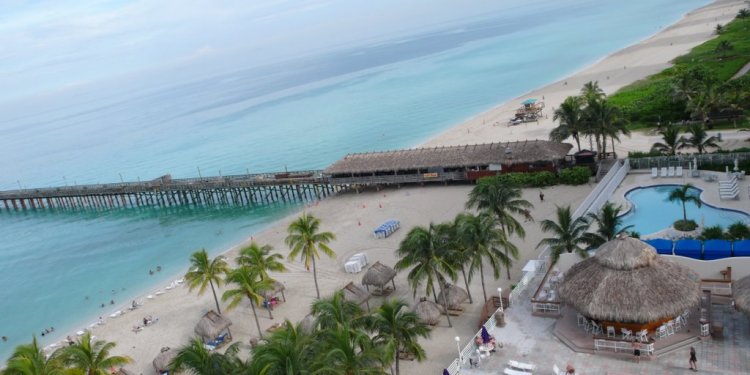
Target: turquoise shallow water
[[652, 212], [297, 114]]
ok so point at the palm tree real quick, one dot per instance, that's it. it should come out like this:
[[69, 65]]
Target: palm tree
[[743, 13], [592, 92], [204, 272], [92, 358], [397, 327], [305, 241], [608, 223], [568, 234], [30, 359], [457, 253], [572, 121], [723, 47], [423, 250], [350, 352], [605, 121], [482, 241], [707, 100], [682, 194], [670, 136], [337, 311], [698, 139], [248, 285], [261, 259], [493, 195], [287, 351], [196, 359]]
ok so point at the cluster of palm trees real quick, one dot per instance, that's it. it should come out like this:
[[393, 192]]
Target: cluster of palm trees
[[589, 115], [574, 235], [84, 356], [703, 93], [340, 338], [672, 141], [250, 279], [434, 255]]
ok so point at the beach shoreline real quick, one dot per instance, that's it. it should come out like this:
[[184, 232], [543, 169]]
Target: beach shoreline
[[177, 308]]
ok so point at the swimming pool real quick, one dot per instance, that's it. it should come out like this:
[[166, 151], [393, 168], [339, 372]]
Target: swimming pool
[[651, 212]]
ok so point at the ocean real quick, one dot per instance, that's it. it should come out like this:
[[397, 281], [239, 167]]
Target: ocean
[[57, 269]]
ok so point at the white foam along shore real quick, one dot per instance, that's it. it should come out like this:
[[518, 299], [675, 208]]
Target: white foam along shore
[[352, 217]]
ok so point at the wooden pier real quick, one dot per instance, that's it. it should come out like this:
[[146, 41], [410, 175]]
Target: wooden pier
[[255, 189]]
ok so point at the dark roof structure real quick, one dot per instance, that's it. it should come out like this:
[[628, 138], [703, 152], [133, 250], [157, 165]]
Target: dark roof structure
[[451, 157]]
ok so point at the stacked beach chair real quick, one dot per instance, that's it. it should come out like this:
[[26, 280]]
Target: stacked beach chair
[[729, 189], [356, 263], [386, 229]]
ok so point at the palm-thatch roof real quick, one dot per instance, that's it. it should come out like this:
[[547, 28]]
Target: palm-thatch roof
[[741, 291], [211, 325], [378, 275], [429, 312], [455, 296], [626, 281], [451, 157], [161, 362], [278, 287], [356, 294]]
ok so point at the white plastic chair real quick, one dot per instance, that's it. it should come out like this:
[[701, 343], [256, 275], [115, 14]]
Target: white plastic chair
[[670, 328], [663, 172], [654, 172], [626, 334], [670, 172], [581, 320], [595, 328], [661, 332], [704, 330], [611, 331], [678, 323], [642, 335], [678, 171]]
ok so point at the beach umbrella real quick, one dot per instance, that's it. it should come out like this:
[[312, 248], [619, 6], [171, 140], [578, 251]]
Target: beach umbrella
[[736, 165], [454, 295], [445, 372], [428, 312], [485, 335]]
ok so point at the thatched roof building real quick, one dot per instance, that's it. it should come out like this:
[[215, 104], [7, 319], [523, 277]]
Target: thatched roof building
[[627, 282], [356, 294], [278, 287], [161, 362], [455, 296], [450, 158], [378, 275], [211, 326], [429, 312], [741, 291]]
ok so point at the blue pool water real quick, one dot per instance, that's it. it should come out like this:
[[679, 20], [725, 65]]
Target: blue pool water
[[652, 212]]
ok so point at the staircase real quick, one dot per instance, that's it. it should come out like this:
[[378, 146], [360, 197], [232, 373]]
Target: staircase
[[603, 166]]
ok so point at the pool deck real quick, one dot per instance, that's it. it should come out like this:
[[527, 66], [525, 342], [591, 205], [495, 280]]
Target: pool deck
[[531, 339]]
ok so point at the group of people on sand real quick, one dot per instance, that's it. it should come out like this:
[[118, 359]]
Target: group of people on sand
[[147, 321]]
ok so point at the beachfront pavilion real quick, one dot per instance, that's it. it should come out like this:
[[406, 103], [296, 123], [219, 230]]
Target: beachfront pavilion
[[473, 161], [627, 285], [741, 292]]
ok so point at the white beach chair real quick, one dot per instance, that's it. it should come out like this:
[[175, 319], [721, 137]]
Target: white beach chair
[[654, 172], [521, 366], [661, 332], [642, 335], [611, 331], [729, 194], [626, 334], [595, 328], [670, 328], [663, 172], [670, 172], [581, 320], [679, 171], [510, 371]]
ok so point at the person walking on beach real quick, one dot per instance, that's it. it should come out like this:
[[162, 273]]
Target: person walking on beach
[[541, 196], [693, 361]]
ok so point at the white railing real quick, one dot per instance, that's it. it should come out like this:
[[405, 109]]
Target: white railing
[[723, 289], [545, 307], [515, 294], [625, 346], [454, 368]]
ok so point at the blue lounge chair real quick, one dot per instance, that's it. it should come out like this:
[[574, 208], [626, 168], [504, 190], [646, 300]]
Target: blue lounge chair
[[741, 248], [662, 246], [716, 249], [688, 248]]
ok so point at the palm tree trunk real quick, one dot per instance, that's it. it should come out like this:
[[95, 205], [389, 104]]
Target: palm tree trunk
[[397, 369], [613, 144], [578, 140], [466, 282], [252, 304], [215, 299], [507, 256], [684, 212], [445, 305], [481, 275], [432, 286], [315, 276], [270, 314]]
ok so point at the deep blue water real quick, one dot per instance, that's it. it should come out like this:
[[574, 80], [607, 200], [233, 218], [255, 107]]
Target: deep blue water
[[298, 114]]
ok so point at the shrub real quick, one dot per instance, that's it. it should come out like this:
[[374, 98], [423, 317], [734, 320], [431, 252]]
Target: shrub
[[634, 234], [575, 175], [642, 154], [738, 231], [533, 179], [712, 233], [685, 225]]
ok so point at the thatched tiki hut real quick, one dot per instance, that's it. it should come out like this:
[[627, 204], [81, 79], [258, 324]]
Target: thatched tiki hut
[[741, 291], [627, 285], [379, 275], [455, 296], [278, 287], [356, 294], [161, 362], [429, 312], [213, 325]]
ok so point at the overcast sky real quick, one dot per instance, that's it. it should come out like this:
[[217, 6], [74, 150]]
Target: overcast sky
[[50, 46]]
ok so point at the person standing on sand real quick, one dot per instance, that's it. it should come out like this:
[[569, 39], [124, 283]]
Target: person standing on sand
[[636, 351], [541, 196], [693, 360]]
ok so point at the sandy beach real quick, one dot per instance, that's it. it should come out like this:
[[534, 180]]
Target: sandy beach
[[351, 217]]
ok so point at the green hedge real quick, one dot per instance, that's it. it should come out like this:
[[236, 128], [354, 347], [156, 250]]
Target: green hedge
[[575, 176], [533, 179]]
